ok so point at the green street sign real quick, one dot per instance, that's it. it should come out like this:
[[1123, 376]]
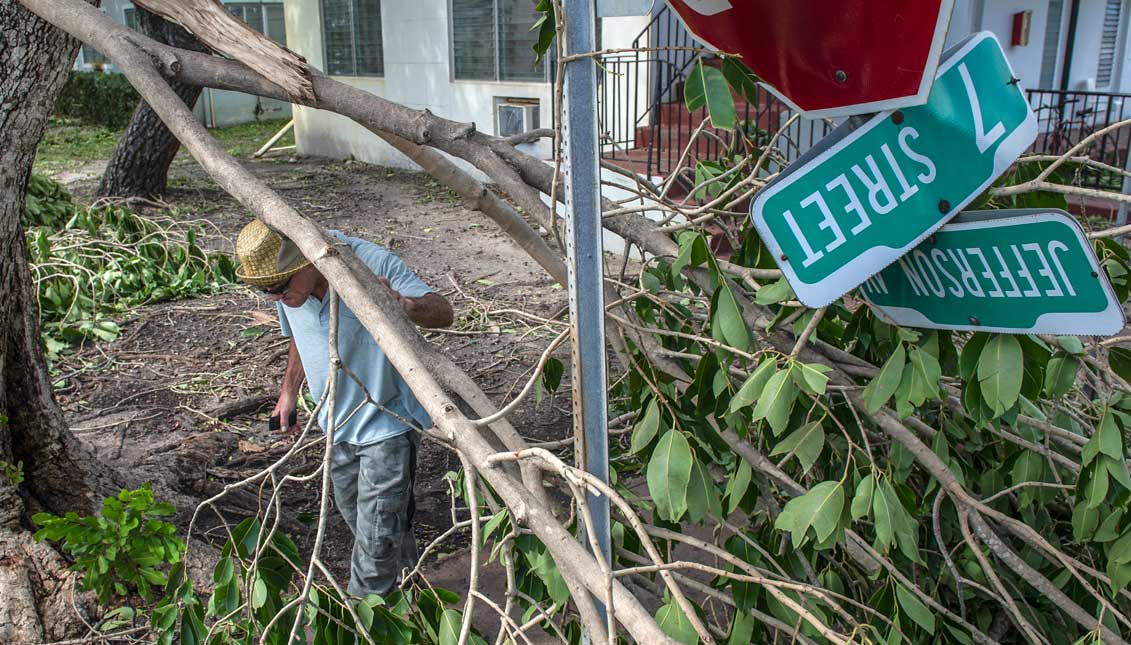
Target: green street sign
[[1010, 271], [874, 189]]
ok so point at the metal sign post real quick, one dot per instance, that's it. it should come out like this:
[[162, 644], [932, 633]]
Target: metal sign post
[[586, 271]]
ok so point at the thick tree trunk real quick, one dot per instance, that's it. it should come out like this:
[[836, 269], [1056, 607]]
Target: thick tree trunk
[[35, 57], [140, 165]]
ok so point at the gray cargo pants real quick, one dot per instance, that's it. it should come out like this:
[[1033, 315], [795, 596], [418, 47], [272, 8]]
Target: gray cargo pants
[[373, 491]]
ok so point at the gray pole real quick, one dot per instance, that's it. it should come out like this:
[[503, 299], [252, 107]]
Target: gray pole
[[1121, 217], [586, 270]]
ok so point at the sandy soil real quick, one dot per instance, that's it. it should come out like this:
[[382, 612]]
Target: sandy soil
[[159, 387]]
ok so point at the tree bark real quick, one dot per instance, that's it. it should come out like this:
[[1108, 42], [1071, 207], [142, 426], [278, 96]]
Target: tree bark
[[35, 586], [140, 165]]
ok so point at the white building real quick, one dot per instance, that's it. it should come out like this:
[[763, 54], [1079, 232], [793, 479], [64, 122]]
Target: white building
[[1072, 45], [466, 60]]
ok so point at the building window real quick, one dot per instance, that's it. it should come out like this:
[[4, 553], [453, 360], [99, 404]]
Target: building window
[[1108, 40], [267, 19], [1052, 44], [351, 35], [492, 40], [91, 56], [131, 18]]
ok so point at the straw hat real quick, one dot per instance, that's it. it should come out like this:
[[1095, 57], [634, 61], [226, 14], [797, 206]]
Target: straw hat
[[266, 258]]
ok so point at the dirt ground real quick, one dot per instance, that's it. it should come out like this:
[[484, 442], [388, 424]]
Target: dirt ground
[[157, 394]]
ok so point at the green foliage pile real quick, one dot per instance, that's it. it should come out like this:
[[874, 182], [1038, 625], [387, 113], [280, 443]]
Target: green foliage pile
[[252, 604], [123, 548], [98, 97], [88, 264]]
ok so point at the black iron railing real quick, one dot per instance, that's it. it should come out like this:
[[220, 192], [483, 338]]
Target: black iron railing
[[1065, 119], [645, 124]]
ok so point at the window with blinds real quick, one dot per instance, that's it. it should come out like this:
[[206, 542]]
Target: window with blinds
[[1051, 52], [492, 40], [267, 19], [1109, 39], [351, 35]]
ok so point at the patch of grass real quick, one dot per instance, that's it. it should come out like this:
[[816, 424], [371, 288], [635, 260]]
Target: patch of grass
[[243, 140], [69, 143]]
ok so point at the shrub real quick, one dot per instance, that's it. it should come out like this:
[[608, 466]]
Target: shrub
[[121, 547], [88, 264], [98, 97]]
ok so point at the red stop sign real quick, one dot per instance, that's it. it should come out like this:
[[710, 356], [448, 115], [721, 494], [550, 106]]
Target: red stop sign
[[829, 57]]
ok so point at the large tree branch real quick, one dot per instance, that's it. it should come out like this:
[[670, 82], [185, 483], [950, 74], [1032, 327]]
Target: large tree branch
[[359, 289]]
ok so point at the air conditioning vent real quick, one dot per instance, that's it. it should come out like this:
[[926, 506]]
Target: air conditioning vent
[[515, 116]]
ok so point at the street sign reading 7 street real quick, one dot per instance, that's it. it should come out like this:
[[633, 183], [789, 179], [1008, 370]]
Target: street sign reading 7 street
[[870, 192], [1009, 271]]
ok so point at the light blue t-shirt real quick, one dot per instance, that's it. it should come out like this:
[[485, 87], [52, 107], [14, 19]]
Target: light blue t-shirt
[[358, 421]]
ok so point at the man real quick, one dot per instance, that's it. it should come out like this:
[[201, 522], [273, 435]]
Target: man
[[373, 460]]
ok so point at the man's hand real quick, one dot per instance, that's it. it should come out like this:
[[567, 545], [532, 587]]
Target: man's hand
[[284, 408], [429, 311]]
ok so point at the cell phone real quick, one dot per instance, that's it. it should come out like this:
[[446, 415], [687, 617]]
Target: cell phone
[[273, 423]]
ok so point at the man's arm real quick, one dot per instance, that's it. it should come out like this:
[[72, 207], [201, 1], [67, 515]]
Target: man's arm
[[292, 382], [430, 311]]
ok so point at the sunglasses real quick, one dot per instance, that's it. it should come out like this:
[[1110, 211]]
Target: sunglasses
[[277, 289]]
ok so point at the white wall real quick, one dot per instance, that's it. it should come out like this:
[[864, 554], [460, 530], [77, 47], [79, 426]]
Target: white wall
[[417, 74], [624, 81], [997, 16]]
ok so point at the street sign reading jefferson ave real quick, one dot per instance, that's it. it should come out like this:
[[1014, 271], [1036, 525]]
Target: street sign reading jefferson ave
[[870, 192], [1010, 271]]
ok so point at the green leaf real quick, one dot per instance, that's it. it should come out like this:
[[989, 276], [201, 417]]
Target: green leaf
[[552, 374], [968, 361], [806, 443], [450, 623], [1000, 371], [223, 572], [1070, 344], [883, 386], [728, 317], [1084, 522], [646, 428], [1107, 440], [925, 375], [1119, 358], [862, 500], [675, 624], [741, 629], [707, 87], [702, 495], [1095, 491], [811, 377], [915, 608], [741, 79], [752, 388], [736, 487], [1060, 375], [819, 508], [774, 293], [776, 401], [1117, 468], [669, 473], [258, 593]]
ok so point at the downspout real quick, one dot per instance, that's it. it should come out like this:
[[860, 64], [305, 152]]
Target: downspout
[[1069, 48]]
